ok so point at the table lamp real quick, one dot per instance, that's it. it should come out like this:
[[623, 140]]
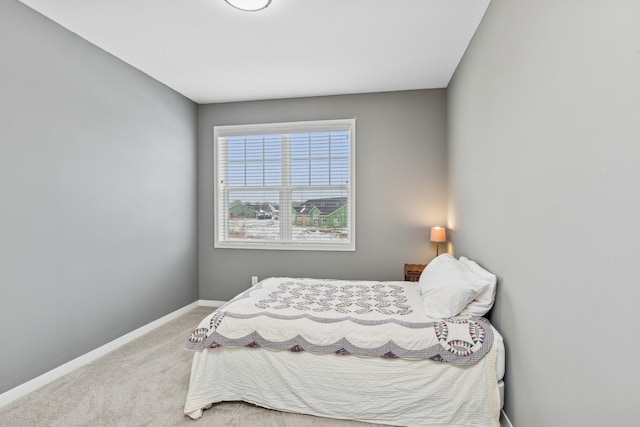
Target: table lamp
[[438, 235]]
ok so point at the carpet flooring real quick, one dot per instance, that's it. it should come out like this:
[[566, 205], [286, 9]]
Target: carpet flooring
[[143, 383]]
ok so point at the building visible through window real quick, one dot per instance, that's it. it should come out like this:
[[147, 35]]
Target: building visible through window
[[285, 186]]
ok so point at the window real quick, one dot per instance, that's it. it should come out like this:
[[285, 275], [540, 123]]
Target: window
[[285, 185]]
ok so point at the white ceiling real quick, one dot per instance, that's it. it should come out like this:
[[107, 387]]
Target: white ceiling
[[211, 52]]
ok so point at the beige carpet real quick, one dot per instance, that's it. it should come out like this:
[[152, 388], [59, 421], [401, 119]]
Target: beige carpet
[[143, 383]]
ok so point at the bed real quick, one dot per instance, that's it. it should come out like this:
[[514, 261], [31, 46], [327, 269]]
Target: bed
[[358, 350]]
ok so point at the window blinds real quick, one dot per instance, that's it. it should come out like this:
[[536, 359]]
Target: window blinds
[[285, 186]]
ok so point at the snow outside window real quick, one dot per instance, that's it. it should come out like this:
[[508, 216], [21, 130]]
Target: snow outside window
[[285, 185]]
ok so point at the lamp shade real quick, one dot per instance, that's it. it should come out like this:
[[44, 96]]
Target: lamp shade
[[249, 5], [438, 234]]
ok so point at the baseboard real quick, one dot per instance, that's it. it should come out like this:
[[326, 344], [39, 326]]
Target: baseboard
[[504, 417], [44, 379], [210, 303]]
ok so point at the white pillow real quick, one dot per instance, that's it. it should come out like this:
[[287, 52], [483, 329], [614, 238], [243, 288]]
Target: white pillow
[[483, 302], [447, 286], [437, 268]]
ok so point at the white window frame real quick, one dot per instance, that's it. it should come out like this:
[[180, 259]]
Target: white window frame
[[285, 215]]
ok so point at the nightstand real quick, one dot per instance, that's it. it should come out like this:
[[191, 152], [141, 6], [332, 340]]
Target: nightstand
[[412, 272]]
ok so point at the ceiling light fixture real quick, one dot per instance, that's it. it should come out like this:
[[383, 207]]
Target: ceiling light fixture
[[249, 5]]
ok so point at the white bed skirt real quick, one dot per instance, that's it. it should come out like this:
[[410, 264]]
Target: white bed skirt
[[370, 389]]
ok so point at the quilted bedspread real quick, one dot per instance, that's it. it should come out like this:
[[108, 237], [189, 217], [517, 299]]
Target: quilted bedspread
[[363, 318]]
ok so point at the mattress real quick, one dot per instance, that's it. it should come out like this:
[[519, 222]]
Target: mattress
[[369, 389], [396, 391], [361, 318]]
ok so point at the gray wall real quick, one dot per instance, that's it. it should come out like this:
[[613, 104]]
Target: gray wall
[[97, 197], [544, 152], [400, 179]]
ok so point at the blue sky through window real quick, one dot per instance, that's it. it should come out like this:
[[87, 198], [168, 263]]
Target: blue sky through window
[[317, 158]]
